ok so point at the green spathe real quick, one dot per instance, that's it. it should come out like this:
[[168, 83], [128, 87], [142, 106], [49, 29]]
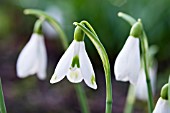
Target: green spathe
[[38, 26], [78, 34], [136, 30], [164, 92]]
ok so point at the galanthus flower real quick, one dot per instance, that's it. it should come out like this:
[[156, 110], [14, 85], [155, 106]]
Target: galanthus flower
[[75, 64], [141, 87], [163, 105], [33, 58], [127, 64]]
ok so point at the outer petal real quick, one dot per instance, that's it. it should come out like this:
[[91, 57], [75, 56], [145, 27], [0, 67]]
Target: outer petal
[[74, 74], [153, 74], [87, 68], [141, 88], [63, 65], [127, 64], [42, 59], [27, 62], [162, 106]]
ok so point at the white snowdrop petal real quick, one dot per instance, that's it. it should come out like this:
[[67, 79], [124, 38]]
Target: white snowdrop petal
[[87, 68], [153, 77], [134, 60], [27, 63], [63, 65], [74, 75], [141, 87], [162, 106], [127, 64], [42, 59]]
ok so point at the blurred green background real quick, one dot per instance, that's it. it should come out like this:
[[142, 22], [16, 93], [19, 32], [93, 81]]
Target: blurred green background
[[33, 96]]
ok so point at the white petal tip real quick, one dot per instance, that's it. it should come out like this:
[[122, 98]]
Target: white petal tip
[[21, 75], [92, 83], [52, 82], [53, 79], [41, 76], [120, 77], [94, 87]]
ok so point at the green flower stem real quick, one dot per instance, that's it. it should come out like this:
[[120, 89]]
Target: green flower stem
[[89, 26], [144, 47], [105, 60], [42, 15], [38, 26], [52, 21], [130, 99], [82, 98], [2, 102]]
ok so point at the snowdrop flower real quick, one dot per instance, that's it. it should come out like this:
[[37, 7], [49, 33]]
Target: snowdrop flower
[[163, 105], [141, 87], [127, 64], [75, 63], [33, 58]]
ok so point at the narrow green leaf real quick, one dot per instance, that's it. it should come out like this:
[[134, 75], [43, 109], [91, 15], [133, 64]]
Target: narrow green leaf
[[2, 102]]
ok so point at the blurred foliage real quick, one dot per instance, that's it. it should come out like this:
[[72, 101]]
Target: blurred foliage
[[101, 14]]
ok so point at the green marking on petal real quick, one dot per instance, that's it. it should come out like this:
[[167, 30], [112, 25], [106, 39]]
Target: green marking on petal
[[93, 80], [55, 77], [74, 74], [75, 61]]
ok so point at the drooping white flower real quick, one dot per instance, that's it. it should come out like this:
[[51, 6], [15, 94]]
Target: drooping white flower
[[76, 65], [127, 64], [141, 87], [33, 58], [162, 106]]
